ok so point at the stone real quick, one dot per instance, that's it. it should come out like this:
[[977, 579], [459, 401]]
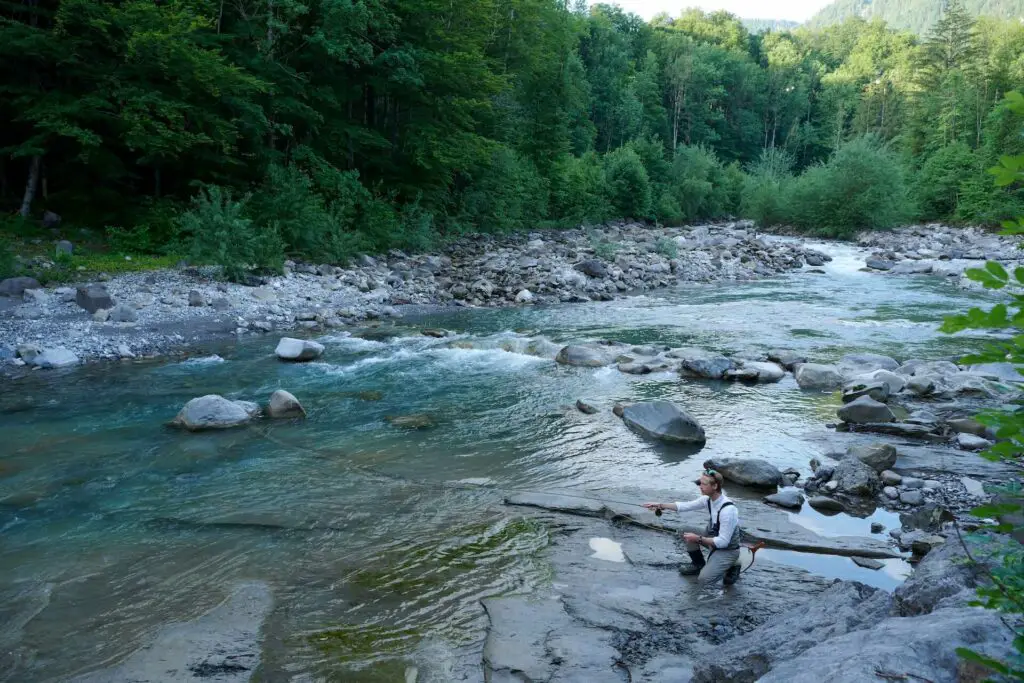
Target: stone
[[93, 297], [586, 407], [970, 442], [123, 313], [825, 503], [58, 357], [878, 456], [663, 420], [842, 608], [298, 350], [17, 286], [879, 391], [418, 421], [524, 296], [786, 358], [890, 478], [817, 376], [868, 563], [787, 498], [64, 248], [911, 497], [925, 647], [764, 373], [877, 527], [746, 471], [974, 488], [214, 412], [283, 404], [865, 410], [879, 264], [584, 355], [891, 492], [195, 298], [924, 545], [855, 478]]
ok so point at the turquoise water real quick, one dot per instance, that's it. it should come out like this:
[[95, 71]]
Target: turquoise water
[[378, 542]]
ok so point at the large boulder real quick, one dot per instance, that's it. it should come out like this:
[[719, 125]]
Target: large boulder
[[214, 412], [663, 420], [283, 404], [756, 371], [818, 376], [58, 357], [865, 410], [787, 358], [854, 364], [93, 298], [593, 268], [16, 286], [585, 355], [746, 471], [944, 578], [877, 456], [878, 391], [298, 350], [855, 478], [843, 607], [700, 363], [924, 647]]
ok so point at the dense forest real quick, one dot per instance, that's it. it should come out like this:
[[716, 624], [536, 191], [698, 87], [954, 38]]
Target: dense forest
[[916, 16], [247, 130]]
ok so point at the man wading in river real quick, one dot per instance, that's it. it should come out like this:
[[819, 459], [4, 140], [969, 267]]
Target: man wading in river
[[722, 534]]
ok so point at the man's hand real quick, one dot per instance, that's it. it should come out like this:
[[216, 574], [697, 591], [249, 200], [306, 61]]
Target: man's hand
[[654, 506], [691, 537]]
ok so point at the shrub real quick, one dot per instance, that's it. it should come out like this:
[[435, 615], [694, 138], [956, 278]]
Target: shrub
[[215, 230], [627, 186], [577, 191]]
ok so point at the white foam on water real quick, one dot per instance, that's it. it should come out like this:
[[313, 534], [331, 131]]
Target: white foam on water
[[607, 549], [205, 360]]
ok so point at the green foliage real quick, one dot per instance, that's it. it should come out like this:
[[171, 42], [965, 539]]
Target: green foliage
[[627, 184], [761, 196], [604, 249], [667, 247], [938, 184], [914, 15], [1005, 590], [8, 266], [577, 190], [861, 187], [506, 194], [364, 126], [215, 230]]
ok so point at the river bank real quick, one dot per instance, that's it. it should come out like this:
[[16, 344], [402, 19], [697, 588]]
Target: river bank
[[156, 313]]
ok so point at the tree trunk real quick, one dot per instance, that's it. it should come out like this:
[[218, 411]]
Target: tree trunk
[[156, 182], [30, 186]]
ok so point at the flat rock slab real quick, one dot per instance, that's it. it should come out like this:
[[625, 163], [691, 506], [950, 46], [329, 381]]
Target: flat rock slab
[[222, 646], [608, 621], [759, 523]]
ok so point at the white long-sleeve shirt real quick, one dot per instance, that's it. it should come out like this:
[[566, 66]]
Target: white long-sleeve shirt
[[729, 519]]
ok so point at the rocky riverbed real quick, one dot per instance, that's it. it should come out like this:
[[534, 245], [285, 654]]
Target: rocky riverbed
[[145, 314], [939, 250]]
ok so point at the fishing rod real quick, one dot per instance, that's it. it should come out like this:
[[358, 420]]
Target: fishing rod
[[752, 547]]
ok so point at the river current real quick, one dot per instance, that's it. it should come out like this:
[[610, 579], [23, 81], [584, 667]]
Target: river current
[[378, 542]]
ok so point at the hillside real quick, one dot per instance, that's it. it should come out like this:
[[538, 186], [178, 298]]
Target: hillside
[[758, 25], [914, 15]]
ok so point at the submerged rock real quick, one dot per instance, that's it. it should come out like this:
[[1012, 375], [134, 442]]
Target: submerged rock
[[284, 405]]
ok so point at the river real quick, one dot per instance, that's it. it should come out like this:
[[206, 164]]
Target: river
[[378, 542]]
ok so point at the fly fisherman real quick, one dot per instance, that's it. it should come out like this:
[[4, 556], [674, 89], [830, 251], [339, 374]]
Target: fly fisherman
[[722, 534]]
